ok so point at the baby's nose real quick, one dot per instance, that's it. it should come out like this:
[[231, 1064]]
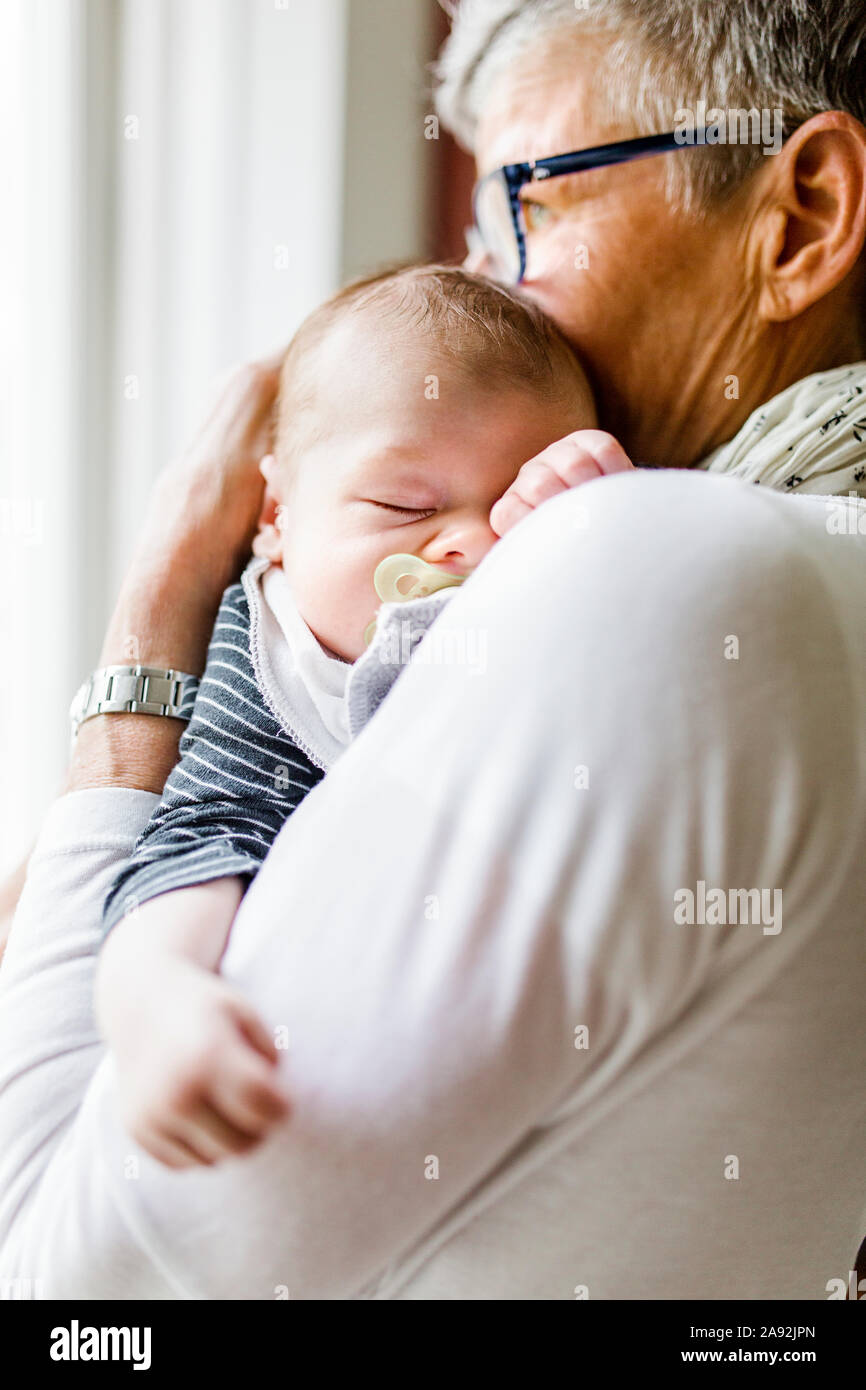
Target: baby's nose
[[460, 547]]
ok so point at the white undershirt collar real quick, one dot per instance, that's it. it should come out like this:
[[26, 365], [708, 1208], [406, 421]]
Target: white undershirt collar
[[302, 683]]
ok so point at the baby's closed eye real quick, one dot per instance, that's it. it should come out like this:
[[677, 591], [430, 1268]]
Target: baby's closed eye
[[414, 512]]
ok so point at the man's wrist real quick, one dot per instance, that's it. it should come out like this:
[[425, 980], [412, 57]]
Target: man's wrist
[[136, 751]]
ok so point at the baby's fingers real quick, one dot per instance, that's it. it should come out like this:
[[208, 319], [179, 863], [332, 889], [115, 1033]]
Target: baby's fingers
[[577, 458], [244, 1096], [181, 1136], [534, 484], [580, 457], [252, 1029], [507, 512], [249, 1096], [210, 1134], [606, 451], [169, 1151]]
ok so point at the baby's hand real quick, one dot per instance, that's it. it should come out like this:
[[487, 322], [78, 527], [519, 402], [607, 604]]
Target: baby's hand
[[576, 459], [197, 1069], [201, 1084]]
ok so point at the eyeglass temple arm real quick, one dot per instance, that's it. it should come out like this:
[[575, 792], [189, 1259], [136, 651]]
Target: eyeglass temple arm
[[619, 152]]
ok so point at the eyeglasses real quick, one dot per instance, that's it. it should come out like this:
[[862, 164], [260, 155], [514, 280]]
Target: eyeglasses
[[500, 229]]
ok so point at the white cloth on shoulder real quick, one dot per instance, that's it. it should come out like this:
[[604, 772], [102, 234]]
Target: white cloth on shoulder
[[810, 438]]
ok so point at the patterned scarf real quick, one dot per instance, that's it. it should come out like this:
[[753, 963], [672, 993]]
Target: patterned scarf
[[811, 438]]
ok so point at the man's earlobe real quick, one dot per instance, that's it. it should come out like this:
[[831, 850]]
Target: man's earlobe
[[773, 303]]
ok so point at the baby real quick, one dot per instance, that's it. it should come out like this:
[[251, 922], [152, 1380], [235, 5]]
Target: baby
[[422, 411]]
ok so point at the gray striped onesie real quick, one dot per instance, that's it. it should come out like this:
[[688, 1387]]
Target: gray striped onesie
[[239, 776], [241, 771]]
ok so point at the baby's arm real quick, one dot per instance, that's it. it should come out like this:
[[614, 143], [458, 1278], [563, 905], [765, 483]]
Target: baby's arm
[[196, 1066], [239, 778], [198, 1074]]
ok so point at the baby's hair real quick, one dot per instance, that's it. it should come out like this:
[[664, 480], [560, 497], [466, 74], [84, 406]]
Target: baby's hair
[[489, 334]]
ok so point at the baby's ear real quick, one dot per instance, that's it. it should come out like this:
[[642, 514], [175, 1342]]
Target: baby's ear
[[268, 540]]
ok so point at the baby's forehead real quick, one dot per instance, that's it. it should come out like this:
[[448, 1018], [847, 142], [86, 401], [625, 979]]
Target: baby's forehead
[[374, 343], [419, 362], [373, 331], [358, 345], [357, 366]]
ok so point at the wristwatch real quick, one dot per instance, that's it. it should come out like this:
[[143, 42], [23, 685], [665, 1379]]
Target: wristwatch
[[134, 690]]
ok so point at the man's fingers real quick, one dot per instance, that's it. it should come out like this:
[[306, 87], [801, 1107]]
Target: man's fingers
[[273, 362], [240, 418]]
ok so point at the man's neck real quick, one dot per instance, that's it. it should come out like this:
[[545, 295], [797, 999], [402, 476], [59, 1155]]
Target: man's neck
[[716, 397]]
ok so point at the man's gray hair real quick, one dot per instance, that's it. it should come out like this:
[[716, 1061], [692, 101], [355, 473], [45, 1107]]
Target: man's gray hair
[[664, 56]]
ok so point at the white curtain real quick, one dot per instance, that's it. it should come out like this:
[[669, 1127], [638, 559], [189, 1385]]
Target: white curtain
[[185, 180]]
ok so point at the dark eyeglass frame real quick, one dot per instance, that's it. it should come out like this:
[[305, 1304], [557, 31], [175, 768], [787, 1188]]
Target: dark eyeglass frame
[[516, 176]]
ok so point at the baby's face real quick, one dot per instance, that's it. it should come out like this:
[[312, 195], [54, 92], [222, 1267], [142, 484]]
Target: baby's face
[[390, 470]]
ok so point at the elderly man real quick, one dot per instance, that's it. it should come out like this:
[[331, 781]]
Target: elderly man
[[570, 957]]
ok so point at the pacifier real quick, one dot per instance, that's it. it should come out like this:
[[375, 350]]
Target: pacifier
[[399, 578]]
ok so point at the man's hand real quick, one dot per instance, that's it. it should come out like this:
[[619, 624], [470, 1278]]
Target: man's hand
[[576, 459], [195, 538], [208, 503]]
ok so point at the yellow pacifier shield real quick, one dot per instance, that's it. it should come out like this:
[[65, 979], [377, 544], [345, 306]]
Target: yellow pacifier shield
[[399, 578]]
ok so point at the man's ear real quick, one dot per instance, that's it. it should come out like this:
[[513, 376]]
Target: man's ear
[[815, 223]]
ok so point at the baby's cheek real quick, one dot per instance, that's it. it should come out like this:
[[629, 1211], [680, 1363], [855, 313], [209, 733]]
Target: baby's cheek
[[332, 583], [337, 612]]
